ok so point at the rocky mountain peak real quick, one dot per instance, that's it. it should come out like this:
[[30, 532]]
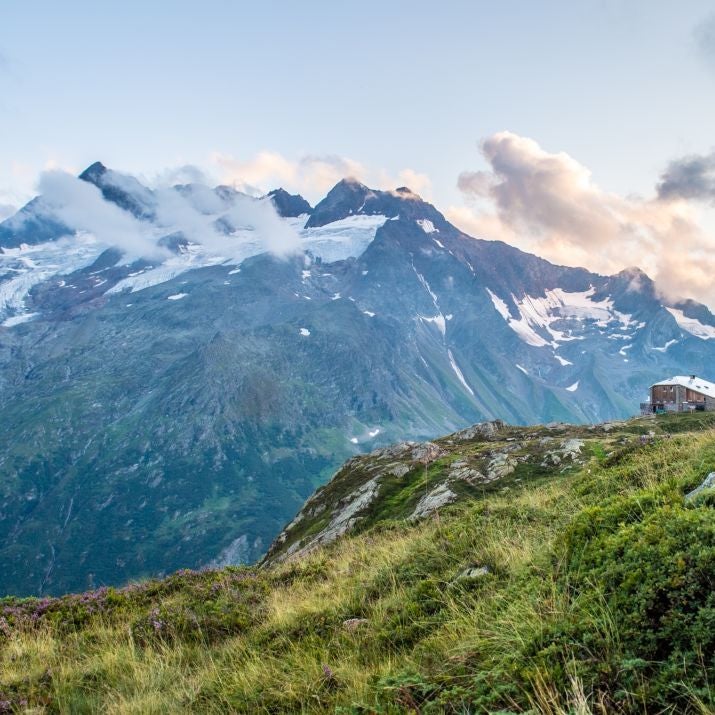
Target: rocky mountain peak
[[94, 173], [350, 197], [289, 205]]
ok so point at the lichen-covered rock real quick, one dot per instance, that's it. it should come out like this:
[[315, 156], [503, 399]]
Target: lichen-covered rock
[[571, 448], [393, 450], [440, 496], [481, 430], [708, 483], [427, 452], [568, 451], [472, 572], [398, 470], [353, 624], [465, 473], [501, 465]]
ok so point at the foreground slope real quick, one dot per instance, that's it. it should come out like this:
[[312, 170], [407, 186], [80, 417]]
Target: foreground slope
[[578, 582]]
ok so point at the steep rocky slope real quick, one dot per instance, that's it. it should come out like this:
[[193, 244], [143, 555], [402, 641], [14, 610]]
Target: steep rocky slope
[[414, 480]]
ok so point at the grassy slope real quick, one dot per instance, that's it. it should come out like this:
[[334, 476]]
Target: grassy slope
[[600, 597]]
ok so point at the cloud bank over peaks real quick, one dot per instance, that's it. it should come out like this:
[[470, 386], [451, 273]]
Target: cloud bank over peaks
[[190, 210], [312, 175], [81, 207], [547, 203]]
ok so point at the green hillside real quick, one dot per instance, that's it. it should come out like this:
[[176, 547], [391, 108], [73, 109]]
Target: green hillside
[[570, 575]]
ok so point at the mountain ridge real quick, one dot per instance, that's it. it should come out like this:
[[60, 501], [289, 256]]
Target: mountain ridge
[[177, 411]]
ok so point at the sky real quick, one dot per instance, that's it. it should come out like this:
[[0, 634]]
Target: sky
[[580, 131]]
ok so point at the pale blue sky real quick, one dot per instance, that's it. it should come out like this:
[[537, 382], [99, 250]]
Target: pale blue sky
[[143, 85], [620, 86]]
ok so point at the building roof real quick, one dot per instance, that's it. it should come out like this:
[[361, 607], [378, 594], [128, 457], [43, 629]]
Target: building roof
[[692, 382]]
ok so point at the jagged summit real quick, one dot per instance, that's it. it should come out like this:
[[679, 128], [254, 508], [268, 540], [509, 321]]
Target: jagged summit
[[351, 197], [289, 205], [633, 272], [94, 172], [124, 190]]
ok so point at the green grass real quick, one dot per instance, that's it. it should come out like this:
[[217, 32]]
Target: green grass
[[599, 598]]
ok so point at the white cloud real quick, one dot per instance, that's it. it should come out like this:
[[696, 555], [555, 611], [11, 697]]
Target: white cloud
[[278, 236], [81, 206], [265, 169], [312, 175], [548, 203], [184, 174], [6, 210]]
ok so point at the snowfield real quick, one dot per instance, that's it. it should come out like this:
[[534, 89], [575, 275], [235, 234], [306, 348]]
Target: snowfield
[[691, 325], [536, 316], [23, 268]]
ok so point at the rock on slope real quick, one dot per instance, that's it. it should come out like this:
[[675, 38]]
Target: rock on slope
[[414, 480]]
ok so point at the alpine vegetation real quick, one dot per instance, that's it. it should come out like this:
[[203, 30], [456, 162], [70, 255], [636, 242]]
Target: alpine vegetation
[[548, 569]]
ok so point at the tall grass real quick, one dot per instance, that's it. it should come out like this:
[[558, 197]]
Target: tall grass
[[426, 638]]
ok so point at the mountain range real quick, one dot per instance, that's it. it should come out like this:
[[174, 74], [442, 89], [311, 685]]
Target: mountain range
[[176, 409]]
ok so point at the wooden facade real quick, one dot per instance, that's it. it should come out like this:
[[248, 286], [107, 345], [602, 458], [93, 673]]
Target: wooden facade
[[681, 394]]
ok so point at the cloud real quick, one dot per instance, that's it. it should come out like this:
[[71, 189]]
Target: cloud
[[81, 206], [266, 168], [704, 36], [322, 172], [6, 210], [194, 207], [184, 174], [690, 177], [311, 175], [548, 203], [278, 236]]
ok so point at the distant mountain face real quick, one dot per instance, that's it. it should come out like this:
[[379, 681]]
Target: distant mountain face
[[177, 411]]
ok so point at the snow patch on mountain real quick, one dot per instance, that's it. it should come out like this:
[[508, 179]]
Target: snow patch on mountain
[[346, 238], [427, 226], [438, 320], [692, 325], [459, 373], [537, 314], [18, 319], [193, 256], [25, 267], [427, 287], [665, 347]]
